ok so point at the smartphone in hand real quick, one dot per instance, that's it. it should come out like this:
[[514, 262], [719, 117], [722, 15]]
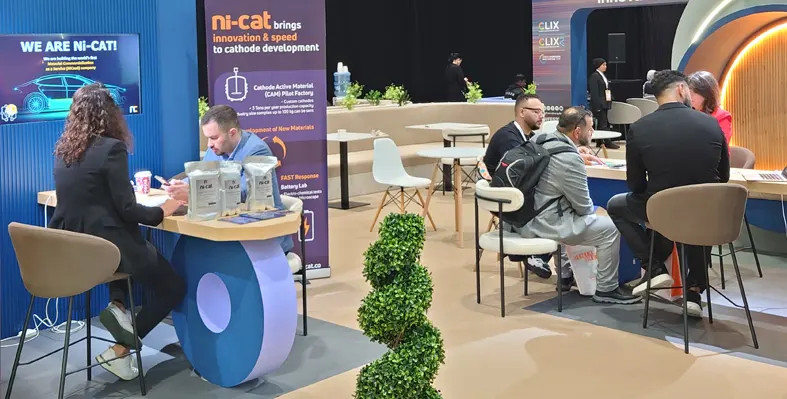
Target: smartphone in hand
[[161, 180]]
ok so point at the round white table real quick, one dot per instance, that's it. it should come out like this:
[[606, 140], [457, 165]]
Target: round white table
[[455, 153], [604, 135]]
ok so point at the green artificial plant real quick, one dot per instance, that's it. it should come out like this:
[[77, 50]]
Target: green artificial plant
[[474, 92], [354, 92], [202, 106], [396, 94], [531, 88], [374, 97], [394, 314]]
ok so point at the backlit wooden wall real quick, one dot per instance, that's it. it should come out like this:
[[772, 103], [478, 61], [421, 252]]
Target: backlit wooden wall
[[757, 98]]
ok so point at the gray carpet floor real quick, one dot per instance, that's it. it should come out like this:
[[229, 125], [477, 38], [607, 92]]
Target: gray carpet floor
[[328, 350], [728, 334]]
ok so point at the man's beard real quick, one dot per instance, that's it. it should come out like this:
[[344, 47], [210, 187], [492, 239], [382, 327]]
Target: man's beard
[[534, 126], [584, 141]]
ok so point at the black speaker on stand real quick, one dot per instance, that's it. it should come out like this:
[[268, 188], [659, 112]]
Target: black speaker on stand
[[616, 50]]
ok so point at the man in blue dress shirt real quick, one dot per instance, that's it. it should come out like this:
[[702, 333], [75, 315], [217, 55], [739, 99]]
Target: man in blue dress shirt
[[227, 142]]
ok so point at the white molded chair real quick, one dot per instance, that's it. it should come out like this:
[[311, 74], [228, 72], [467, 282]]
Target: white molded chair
[[646, 107], [548, 127], [296, 264], [387, 169], [500, 200], [623, 114]]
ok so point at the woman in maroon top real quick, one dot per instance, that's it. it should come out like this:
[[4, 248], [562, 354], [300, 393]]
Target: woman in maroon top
[[705, 97]]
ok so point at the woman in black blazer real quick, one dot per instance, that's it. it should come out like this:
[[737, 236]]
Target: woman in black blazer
[[94, 196], [455, 79]]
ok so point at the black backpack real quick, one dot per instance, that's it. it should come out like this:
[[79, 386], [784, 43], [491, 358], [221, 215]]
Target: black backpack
[[521, 167]]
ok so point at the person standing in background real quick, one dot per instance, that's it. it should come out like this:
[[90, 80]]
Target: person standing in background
[[600, 98], [516, 89], [705, 97], [647, 88], [455, 79]]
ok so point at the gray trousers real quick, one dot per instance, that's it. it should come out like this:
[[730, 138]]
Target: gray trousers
[[602, 234]]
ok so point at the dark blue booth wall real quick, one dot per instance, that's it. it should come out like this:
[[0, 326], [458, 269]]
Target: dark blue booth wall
[[165, 133]]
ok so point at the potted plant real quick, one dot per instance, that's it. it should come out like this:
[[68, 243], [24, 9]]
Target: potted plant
[[531, 88], [374, 97], [474, 92], [396, 94], [354, 92], [394, 314], [202, 108]]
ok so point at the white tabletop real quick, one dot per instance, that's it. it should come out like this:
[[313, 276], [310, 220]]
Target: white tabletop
[[347, 136], [605, 135], [448, 126], [452, 152]]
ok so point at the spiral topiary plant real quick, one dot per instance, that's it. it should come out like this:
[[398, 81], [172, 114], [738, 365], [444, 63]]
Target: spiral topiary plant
[[394, 314]]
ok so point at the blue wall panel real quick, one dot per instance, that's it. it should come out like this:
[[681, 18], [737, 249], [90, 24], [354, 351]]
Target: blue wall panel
[[165, 133]]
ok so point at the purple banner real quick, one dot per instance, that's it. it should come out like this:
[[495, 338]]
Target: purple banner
[[267, 60]]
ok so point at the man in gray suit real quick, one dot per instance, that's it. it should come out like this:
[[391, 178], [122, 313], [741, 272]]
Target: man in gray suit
[[572, 219]]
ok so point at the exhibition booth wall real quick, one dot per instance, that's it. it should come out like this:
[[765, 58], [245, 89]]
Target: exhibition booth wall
[[163, 123]]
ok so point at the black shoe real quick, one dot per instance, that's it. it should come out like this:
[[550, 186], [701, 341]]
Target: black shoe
[[618, 296], [611, 145], [694, 304], [566, 283], [533, 264]]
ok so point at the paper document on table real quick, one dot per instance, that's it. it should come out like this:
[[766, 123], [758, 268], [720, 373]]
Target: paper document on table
[[152, 200]]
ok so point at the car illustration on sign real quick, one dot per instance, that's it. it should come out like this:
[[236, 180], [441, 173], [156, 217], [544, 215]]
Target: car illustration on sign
[[54, 92]]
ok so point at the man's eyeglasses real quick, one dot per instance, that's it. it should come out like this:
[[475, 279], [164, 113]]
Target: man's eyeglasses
[[538, 111]]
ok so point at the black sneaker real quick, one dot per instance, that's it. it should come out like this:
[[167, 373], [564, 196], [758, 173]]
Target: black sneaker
[[538, 267], [566, 283], [618, 296], [694, 304]]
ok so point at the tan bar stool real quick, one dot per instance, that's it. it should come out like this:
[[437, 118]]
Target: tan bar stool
[[703, 215], [72, 264], [740, 158]]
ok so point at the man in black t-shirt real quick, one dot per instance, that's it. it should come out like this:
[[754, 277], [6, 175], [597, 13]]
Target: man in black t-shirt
[[516, 89]]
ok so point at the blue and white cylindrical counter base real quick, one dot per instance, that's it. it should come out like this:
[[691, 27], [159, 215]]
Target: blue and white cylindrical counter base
[[238, 320]]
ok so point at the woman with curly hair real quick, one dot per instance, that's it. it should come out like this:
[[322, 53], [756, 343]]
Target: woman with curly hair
[[705, 97], [95, 197]]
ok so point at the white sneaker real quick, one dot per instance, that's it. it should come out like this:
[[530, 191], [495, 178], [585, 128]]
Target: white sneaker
[[118, 323], [660, 281], [122, 368]]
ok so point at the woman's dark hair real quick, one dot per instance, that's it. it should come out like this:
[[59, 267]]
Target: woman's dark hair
[[453, 57], [704, 84], [93, 114]]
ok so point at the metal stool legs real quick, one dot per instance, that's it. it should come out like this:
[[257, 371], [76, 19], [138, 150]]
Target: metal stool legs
[[647, 278], [683, 268], [743, 296], [683, 272], [559, 267], [732, 249], [753, 247], [138, 347], [19, 349]]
